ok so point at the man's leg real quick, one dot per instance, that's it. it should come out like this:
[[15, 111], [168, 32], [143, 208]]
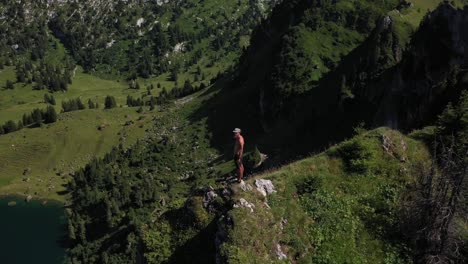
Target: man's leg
[[241, 171], [236, 163]]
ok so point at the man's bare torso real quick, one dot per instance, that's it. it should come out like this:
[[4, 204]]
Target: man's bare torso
[[239, 146]]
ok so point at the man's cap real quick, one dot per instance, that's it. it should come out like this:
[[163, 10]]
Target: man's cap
[[236, 130]]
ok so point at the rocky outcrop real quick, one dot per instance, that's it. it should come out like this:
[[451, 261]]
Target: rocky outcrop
[[265, 187], [245, 204]]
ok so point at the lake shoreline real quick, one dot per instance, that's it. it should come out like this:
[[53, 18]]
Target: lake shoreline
[[38, 226], [39, 199]]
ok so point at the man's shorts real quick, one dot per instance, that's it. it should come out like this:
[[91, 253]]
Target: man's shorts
[[238, 162]]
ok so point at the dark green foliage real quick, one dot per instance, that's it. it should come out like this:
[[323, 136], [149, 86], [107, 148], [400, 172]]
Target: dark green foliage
[[49, 99], [91, 104], [138, 192], [453, 122], [72, 105], [50, 116], [27, 119], [253, 158], [20, 125], [10, 126], [292, 72], [357, 156], [134, 102], [37, 117], [308, 185], [177, 92], [55, 77], [9, 85], [110, 102], [148, 49]]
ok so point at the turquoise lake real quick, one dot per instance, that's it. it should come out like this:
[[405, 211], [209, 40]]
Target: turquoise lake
[[31, 232]]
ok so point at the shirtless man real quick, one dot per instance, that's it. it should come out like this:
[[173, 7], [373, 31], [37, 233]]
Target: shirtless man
[[238, 151]]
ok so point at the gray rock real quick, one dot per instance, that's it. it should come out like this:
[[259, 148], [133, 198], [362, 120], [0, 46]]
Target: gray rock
[[265, 187], [386, 143], [283, 223], [279, 252], [243, 203], [246, 187], [209, 196]]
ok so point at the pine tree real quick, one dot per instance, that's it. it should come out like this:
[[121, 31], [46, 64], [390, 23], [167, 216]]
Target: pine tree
[[37, 117], [10, 126], [79, 104], [110, 102], [20, 125], [91, 104], [129, 100], [50, 115], [9, 85]]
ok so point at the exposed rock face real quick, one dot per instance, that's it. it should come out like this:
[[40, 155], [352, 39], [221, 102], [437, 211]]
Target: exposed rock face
[[265, 187], [243, 203], [246, 187], [430, 74]]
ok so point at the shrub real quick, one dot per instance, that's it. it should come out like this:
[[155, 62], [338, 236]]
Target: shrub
[[357, 156], [253, 158]]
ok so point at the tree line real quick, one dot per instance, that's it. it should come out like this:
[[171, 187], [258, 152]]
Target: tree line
[[34, 119]]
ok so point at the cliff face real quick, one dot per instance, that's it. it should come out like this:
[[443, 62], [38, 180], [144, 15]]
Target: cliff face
[[392, 76], [432, 73], [405, 85]]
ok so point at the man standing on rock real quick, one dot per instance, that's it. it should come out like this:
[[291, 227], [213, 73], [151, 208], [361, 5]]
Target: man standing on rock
[[238, 151]]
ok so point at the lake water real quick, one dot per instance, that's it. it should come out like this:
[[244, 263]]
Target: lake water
[[31, 232]]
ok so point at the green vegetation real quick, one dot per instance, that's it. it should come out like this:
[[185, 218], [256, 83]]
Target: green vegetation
[[153, 183], [39, 161], [110, 102], [322, 212], [163, 171]]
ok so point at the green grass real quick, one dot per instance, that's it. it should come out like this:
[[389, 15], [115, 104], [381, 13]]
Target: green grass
[[70, 143], [53, 151], [333, 214], [14, 103], [412, 17], [321, 44]]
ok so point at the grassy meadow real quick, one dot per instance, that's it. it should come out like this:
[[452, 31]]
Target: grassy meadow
[[37, 161]]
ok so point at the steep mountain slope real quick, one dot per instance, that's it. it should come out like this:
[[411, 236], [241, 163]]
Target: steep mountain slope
[[142, 53], [313, 72], [303, 100], [133, 38], [339, 206], [167, 199]]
